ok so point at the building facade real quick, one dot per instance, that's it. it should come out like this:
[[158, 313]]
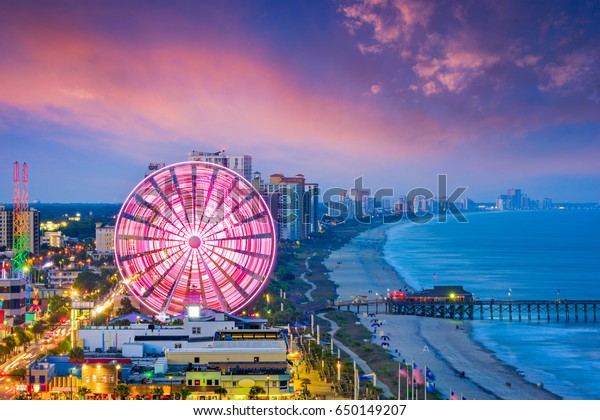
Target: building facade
[[242, 164], [105, 239], [294, 204], [13, 297], [6, 230]]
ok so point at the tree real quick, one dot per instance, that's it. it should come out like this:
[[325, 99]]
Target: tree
[[126, 307], [87, 280], [122, 391], [255, 391], [39, 328], [57, 303], [184, 393], [10, 343], [76, 354], [157, 392], [221, 392], [20, 336], [83, 393], [3, 352]]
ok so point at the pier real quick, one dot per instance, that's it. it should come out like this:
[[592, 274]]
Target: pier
[[519, 310]]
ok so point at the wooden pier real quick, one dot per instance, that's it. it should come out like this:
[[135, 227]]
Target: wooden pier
[[520, 310]]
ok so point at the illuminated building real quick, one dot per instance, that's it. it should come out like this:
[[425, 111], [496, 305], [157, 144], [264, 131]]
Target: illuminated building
[[6, 229], [12, 298], [61, 278], [105, 239], [54, 239], [295, 205]]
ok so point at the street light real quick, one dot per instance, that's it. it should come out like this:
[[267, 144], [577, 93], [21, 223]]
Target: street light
[[71, 385], [268, 387], [118, 368], [339, 369], [171, 387]]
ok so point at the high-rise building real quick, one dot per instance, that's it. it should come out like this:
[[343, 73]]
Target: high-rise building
[[294, 204], [286, 196], [515, 198], [105, 239], [153, 167], [311, 208], [242, 164], [546, 203], [34, 231], [6, 229]]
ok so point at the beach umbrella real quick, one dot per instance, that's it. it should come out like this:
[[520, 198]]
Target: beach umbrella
[[385, 338], [372, 315], [384, 344], [453, 396]]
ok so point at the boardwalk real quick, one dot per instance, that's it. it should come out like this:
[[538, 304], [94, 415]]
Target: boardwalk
[[530, 310]]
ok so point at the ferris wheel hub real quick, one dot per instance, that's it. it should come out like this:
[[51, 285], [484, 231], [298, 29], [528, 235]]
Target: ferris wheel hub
[[195, 242]]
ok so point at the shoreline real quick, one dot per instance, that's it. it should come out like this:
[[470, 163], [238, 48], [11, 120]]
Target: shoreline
[[445, 346]]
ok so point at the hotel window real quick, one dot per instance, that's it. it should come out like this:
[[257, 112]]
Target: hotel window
[[177, 345], [216, 382], [256, 359], [197, 382], [189, 382], [209, 382], [196, 330], [196, 360], [234, 384]]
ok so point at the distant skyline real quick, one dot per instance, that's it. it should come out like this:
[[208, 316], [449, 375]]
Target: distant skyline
[[495, 94]]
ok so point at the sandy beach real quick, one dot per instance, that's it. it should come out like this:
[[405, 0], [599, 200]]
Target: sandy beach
[[359, 268]]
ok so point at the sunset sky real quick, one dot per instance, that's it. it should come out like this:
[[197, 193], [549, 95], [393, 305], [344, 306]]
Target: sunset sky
[[496, 94]]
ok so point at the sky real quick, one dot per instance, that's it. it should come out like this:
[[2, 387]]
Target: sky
[[495, 94]]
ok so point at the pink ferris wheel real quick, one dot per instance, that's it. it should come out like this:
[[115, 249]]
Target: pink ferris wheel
[[194, 228]]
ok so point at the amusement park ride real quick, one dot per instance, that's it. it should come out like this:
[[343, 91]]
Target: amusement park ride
[[22, 232], [194, 229]]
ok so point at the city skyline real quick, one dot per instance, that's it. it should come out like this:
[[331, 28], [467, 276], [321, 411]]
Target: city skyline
[[396, 92]]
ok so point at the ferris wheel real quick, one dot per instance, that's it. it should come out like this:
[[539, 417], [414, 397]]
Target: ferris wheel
[[194, 228]]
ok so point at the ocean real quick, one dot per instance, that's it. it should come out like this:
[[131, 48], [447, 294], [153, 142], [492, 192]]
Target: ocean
[[529, 255]]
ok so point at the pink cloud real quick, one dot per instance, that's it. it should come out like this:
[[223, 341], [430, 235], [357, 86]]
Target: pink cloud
[[369, 49], [376, 88], [569, 73], [528, 60], [162, 92], [390, 20]]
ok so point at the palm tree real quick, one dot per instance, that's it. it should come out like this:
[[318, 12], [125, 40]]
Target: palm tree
[[83, 392], [3, 351], [255, 391], [76, 354], [157, 392], [122, 391], [39, 327], [184, 393], [10, 343], [221, 392]]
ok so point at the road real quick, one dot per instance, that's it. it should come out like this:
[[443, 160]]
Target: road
[[24, 359]]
